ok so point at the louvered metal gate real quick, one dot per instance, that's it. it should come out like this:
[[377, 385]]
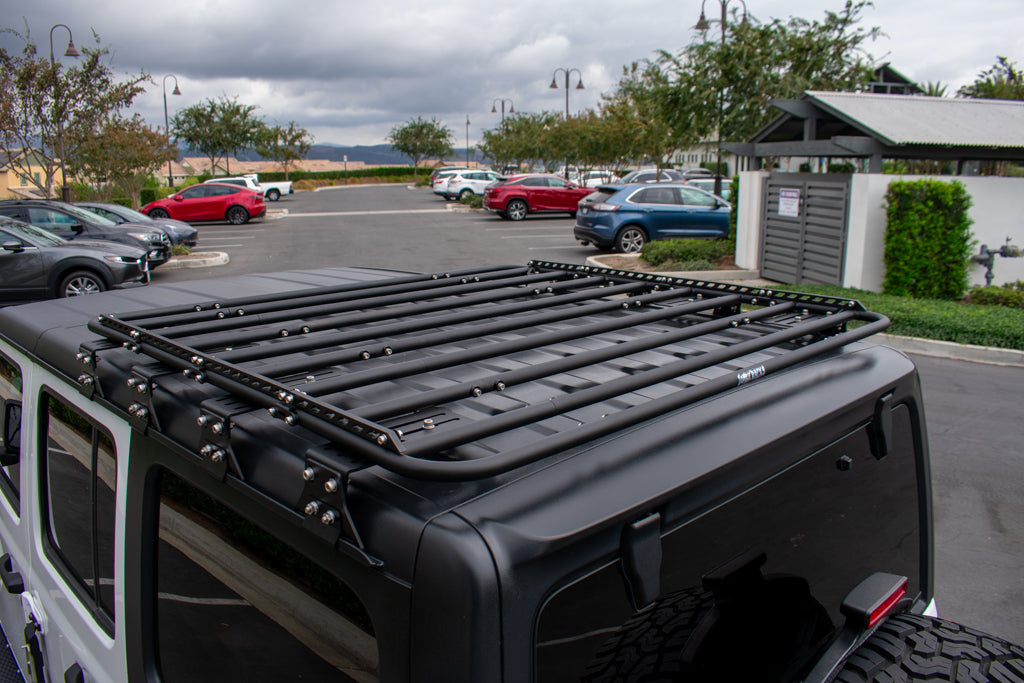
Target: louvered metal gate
[[804, 227]]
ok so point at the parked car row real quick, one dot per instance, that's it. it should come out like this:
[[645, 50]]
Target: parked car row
[[72, 222]]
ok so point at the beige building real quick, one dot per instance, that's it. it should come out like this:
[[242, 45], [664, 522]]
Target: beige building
[[14, 185]]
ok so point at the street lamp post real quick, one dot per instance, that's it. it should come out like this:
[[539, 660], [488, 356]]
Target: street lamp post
[[167, 126], [65, 191], [704, 25], [554, 86], [494, 108], [467, 140]]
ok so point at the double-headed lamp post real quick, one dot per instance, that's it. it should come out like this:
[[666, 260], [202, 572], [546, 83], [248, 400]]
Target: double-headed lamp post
[[554, 86], [704, 25], [65, 191], [167, 125], [494, 107]]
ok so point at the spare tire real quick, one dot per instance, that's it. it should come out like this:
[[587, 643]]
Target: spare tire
[[909, 647]]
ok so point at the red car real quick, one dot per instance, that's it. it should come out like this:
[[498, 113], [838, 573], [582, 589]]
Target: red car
[[209, 202], [518, 195]]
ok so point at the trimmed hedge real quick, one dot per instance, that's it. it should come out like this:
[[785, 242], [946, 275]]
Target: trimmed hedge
[[688, 251], [954, 321], [927, 239], [376, 172]]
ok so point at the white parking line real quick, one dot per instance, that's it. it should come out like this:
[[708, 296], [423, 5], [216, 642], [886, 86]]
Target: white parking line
[[364, 213], [535, 235]]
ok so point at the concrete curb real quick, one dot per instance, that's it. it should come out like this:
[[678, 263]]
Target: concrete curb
[[198, 259], [944, 349]]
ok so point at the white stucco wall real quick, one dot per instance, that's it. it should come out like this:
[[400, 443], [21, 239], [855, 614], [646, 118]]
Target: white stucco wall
[[748, 220], [997, 212]]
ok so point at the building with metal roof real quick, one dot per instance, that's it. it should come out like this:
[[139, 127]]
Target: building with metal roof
[[889, 126]]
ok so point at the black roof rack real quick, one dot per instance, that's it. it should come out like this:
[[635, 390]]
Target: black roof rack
[[468, 374]]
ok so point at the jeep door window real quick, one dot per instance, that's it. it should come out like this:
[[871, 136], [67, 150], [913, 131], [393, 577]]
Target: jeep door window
[[234, 603], [10, 393], [80, 480]]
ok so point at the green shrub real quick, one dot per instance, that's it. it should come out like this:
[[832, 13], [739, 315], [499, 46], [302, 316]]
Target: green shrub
[[147, 195], [663, 252], [473, 200], [122, 201], [927, 239], [1011, 294]]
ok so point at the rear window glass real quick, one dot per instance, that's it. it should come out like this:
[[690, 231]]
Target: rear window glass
[[234, 603]]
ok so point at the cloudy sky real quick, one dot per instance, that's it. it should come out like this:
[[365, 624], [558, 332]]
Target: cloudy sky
[[350, 71]]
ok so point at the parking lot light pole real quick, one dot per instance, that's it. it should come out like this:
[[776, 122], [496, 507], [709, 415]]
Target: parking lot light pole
[[494, 108], [467, 140], [72, 51], [704, 25], [167, 125], [554, 86]]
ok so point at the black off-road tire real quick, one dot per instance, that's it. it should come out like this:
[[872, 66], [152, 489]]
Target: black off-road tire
[[649, 646], [916, 648]]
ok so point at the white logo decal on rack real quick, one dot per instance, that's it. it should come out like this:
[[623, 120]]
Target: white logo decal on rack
[[750, 375]]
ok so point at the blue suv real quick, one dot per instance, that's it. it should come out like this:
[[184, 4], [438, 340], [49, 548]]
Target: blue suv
[[624, 218]]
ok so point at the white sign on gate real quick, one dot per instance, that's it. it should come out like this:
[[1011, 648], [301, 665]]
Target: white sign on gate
[[789, 202]]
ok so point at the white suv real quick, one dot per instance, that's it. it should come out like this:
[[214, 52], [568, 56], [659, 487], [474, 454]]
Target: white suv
[[464, 183]]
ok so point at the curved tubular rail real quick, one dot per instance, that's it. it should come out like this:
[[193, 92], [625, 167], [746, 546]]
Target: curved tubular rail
[[465, 470]]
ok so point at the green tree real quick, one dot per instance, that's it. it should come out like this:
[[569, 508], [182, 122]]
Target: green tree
[[419, 139], [43, 105], [217, 128], [1002, 81], [730, 82], [122, 154], [283, 145], [648, 105]]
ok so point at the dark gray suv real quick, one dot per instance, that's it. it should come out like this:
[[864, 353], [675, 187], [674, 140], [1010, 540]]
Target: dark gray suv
[[36, 264]]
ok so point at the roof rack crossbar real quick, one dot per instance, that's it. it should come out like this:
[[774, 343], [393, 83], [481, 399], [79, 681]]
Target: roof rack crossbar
[[368, 311], [503, 321], [306, 338], [436, 441], [511, 378], [494, 349], [153, 317], [236, 317], [815, 303]]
